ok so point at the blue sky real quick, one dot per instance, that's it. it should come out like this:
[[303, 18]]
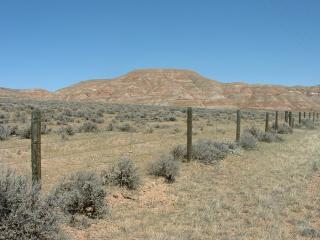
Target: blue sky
[[52, 44]]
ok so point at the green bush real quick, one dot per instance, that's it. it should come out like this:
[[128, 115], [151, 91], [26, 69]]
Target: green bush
[[124, 173], [80, 193], [24, 215], [166, 167]]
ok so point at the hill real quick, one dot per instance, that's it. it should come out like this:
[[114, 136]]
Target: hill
[[171, 87]]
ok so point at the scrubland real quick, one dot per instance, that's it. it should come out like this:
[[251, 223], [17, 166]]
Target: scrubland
[[119, 172]]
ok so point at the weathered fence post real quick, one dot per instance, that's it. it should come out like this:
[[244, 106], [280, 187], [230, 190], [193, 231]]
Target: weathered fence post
[[189, 134], [304, 115], [292, 122], [299, 117], [314, 116], [36, 147], [276, 123], [238, 126], [286, 116], [290, 119], [267, 122]]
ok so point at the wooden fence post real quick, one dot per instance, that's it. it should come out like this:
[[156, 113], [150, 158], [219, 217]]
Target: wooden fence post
[[290, 119], [314, 116], [292, 122], [36, 147], [286, 116], [238, 126], [276, 123], [304, 115], [309, 115], [299, 117], [189, 134], [267, 122]]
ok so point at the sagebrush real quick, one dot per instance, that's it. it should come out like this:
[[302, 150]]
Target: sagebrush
[[4, 132], [166, 167], [206, 151], [248, 141], [80, 193], [24, 214], [123, 174]]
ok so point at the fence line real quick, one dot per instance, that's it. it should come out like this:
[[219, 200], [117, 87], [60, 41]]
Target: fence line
[[36, 143]]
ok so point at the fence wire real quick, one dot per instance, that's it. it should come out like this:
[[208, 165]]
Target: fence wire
[[218, 128]]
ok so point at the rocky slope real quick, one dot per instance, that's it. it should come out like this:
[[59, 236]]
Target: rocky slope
[[181, 88]]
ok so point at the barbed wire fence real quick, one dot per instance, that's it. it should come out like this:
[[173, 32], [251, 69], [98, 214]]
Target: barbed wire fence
[[37, 149]]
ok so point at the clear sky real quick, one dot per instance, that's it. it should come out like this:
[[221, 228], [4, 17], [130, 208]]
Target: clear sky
[[52, 44]]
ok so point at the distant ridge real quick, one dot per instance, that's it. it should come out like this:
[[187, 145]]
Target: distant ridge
[[174, 87]]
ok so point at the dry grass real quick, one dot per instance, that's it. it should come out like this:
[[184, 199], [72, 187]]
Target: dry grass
[[266, 194], [270, 193]]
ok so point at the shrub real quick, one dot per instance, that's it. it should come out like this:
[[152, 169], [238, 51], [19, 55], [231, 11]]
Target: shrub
[[124, 173], [45, 129], [206, 151], [308, 124], [248, 141], [284, 128], [4, 132], [170, 117], [97, 120], [14, 130], [88, 127], [254, 131], [166, 167], [23, 214], [100, 112], [126, 127], [110, 127], [179, 152], [25, 132], [68, 130], [80, 193], [270, 137]]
